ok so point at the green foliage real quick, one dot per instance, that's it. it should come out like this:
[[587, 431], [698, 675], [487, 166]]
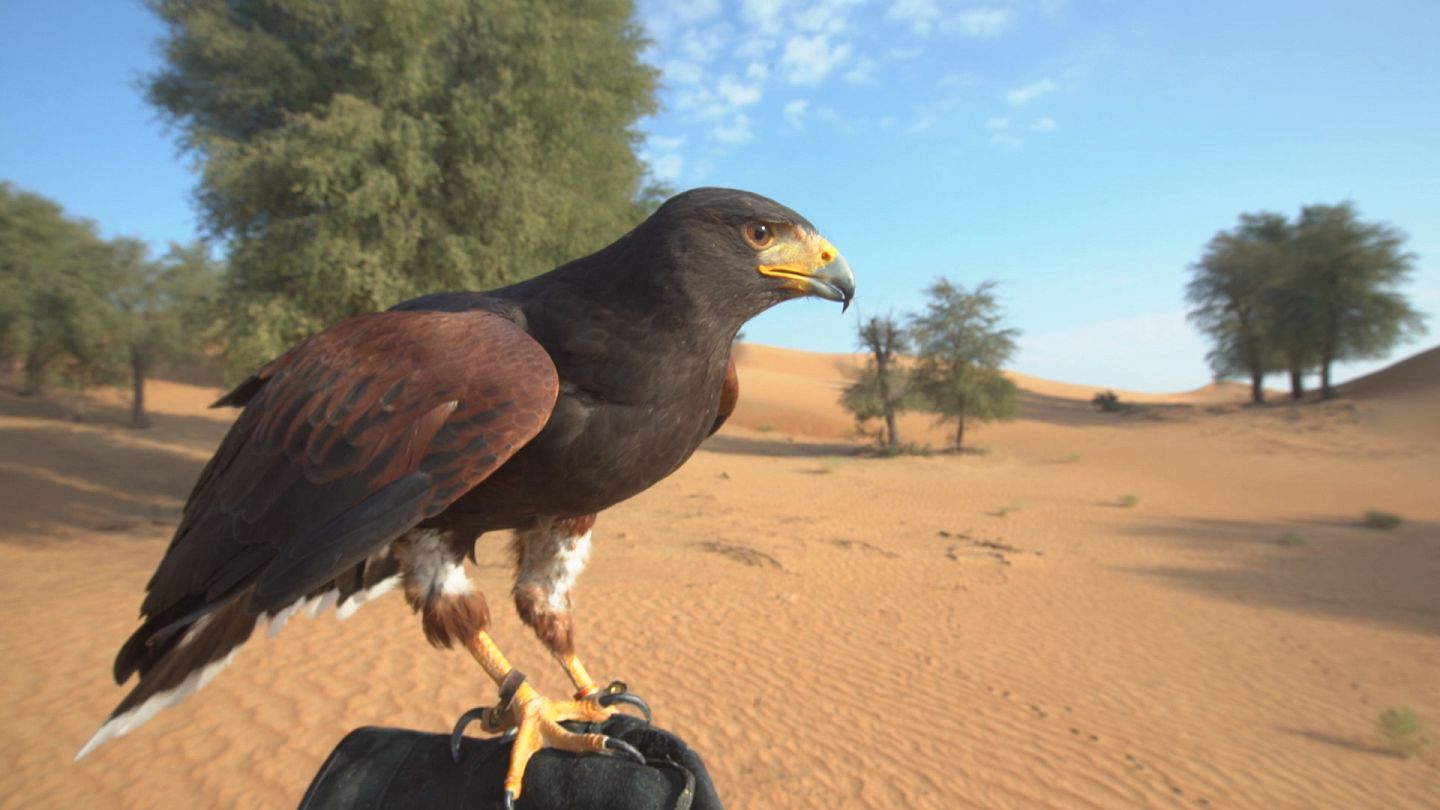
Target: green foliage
[[1128, 500], [1402, 730], [1349, 269], [1275, 295], [79, 310], [882, 391], [1229, 294], [1290, 539], [960, 347], [1377, 519], [357, 154], [55, 275]]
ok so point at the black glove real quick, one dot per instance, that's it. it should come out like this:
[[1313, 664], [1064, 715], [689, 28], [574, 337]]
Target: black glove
[[395, 769]]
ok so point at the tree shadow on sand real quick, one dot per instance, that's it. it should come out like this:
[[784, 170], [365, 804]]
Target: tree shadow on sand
[[1330, 566], [57, 475], [779, 446]]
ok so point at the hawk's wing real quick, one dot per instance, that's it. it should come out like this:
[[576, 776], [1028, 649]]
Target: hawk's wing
[[347, 441]]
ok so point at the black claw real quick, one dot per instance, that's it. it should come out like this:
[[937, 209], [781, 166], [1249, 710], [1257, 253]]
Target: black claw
[[458, 733], [638, 702], [508, 801], [625, 749]]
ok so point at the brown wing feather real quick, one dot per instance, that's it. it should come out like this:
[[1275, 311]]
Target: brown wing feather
[[347, 441], [729, 395]]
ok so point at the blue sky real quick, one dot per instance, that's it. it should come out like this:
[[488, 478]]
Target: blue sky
[[1080, 153]]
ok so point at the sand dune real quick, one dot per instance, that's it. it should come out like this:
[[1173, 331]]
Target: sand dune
[[985, 630]]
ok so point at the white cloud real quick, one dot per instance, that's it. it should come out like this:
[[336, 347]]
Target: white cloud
[[693, 11], [703, 44], [765, 15], [678, 71], [809, 59], [1006, 140], [1046, 124], [921, 15], [737, 93], [757, 72], [1030, 92], [862, 73], [999, 122], [738, 130], [980, 23], [795, 112], [663, 155]]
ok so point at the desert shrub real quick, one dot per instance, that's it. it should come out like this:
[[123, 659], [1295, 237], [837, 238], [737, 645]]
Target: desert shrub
[[1401, 728], [1290, 539], [1377, 519], [1129, 499], [1108, 401]]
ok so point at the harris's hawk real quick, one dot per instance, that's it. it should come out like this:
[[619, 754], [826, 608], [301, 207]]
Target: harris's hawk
[[375, 454]]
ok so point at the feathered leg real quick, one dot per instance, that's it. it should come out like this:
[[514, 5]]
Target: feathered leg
[[452, 612]]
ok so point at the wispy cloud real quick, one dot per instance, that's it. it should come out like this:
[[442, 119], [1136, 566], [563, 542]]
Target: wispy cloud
[[1046, 124], [980, 23], [663, 155], [807, 60], [795, 112], [735, 130], [1024, 95], [920, 15], [926, 16]]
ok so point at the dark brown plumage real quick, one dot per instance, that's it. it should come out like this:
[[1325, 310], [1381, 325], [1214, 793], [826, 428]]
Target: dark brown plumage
[[377, 452]]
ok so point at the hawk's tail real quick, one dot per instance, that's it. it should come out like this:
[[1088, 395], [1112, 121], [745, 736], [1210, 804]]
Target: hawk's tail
[[175, 662], [205, 649]]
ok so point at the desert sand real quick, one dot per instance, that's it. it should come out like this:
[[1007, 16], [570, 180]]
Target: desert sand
[[992, 629]]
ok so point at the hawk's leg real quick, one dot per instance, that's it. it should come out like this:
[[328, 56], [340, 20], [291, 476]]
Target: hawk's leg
[[451, 611], [548, 559]]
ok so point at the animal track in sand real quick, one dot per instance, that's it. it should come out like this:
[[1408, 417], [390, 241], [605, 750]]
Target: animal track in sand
[[861, 545], [744, 555]]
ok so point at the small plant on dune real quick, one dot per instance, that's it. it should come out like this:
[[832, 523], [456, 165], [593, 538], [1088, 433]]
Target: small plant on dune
[[829, 465], [1109, 402], [1376, 519], [1289, 539], [766, 428], [1007, 509], [1403, 733], [1072, 458], [1128, 500]]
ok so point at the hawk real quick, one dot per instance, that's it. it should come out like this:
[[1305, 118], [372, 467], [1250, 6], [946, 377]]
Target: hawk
[[374, 455]]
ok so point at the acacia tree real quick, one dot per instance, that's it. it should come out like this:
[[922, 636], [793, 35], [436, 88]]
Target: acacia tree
[[1347, 270], [960, 348], [882, 389], [166, 309], [1232, 292], [357, 154]]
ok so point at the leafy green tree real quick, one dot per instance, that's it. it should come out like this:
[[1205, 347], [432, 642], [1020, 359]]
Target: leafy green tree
[[1231, 292], [359, 153], [960, 348], [1347, 271], [55, 272], [166, 309], [882, 389]]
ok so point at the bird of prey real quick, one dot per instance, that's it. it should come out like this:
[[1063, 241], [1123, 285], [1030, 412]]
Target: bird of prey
[[374, 454]]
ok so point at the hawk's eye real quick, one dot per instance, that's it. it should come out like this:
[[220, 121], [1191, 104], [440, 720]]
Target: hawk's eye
[[759, 235]]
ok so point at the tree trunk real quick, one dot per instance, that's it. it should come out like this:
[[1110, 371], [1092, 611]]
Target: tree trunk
[[138, 417], [1257, 388], [960, 433], [1297, 383], [892, 430], [1326, 357]]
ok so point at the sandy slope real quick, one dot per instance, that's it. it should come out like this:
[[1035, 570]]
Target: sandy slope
[[830, 631]]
